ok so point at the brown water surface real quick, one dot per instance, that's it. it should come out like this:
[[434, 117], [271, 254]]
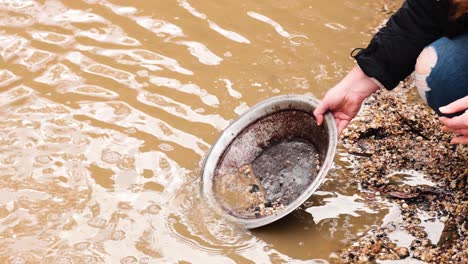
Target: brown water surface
[[107, 108]]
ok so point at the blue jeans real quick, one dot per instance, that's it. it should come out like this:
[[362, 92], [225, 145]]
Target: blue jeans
[[447, 81]]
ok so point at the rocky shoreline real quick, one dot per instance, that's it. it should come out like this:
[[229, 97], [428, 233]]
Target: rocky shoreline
[[396, 132]]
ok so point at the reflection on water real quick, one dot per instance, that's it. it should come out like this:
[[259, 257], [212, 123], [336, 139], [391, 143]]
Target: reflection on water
[[108, 107]]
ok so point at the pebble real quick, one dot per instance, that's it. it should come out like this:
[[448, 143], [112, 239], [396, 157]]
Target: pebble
[[254, 188], [363, 259], [402, 252]]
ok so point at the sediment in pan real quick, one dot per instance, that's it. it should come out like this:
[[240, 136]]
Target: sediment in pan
[[275, 178]]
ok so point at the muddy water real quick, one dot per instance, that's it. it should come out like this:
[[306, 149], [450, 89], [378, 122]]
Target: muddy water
[[108, 107]]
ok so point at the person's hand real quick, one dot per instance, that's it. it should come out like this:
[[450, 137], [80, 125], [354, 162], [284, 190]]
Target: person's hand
[[345, 99], [457, 124]]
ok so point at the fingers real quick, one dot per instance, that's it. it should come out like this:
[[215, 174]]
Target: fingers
[[461, 131], [319, 111], [456, 106], [458, 122], [340, 125], [460, 140]]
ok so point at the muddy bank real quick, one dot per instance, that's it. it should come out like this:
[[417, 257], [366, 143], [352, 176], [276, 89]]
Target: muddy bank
[[396, 133]]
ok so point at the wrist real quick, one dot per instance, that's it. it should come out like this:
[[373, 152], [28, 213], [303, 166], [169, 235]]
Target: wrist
[[359, 84]]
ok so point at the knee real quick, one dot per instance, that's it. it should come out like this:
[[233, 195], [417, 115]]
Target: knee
[[424, 64], [426, 61]]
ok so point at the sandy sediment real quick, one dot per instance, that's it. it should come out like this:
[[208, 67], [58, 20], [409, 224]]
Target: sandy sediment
[[242, 194]]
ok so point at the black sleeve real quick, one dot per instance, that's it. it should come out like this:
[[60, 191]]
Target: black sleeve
[[392, 53]]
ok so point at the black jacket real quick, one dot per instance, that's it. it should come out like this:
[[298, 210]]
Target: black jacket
[[392, 53]]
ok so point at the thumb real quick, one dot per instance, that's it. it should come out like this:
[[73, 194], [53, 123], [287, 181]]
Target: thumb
[[319, 111], [456, 106]]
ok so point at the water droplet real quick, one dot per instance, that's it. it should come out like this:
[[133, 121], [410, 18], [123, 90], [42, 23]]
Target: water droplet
[[129, 260], [118, 235], [81, 245], [148, 173], [126, 163], [154, 209], [131, 130], [62, 260], [88, 259], [110, 156], [124, 205], [335, 26], [142, 73], [53, 217], [297, 40], [97, 222], [166, 147], [43, 159], [17, 260], [144, 260]]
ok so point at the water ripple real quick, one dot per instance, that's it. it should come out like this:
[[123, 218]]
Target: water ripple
[[107, 111]]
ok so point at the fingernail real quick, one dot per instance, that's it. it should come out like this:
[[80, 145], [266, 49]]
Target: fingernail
[[443, 109]]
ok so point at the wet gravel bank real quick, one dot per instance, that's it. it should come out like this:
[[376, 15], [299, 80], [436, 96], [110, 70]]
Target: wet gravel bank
[[395, 132]]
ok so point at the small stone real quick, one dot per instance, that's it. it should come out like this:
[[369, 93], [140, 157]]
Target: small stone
[[443, 219], [453, 184], [425, 242], [363, 259], [391, 245], [404, 206], [334, 256], [254, 188], [402, 252]]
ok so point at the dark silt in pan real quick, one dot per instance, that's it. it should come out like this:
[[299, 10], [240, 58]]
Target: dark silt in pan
[[270, 180]]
